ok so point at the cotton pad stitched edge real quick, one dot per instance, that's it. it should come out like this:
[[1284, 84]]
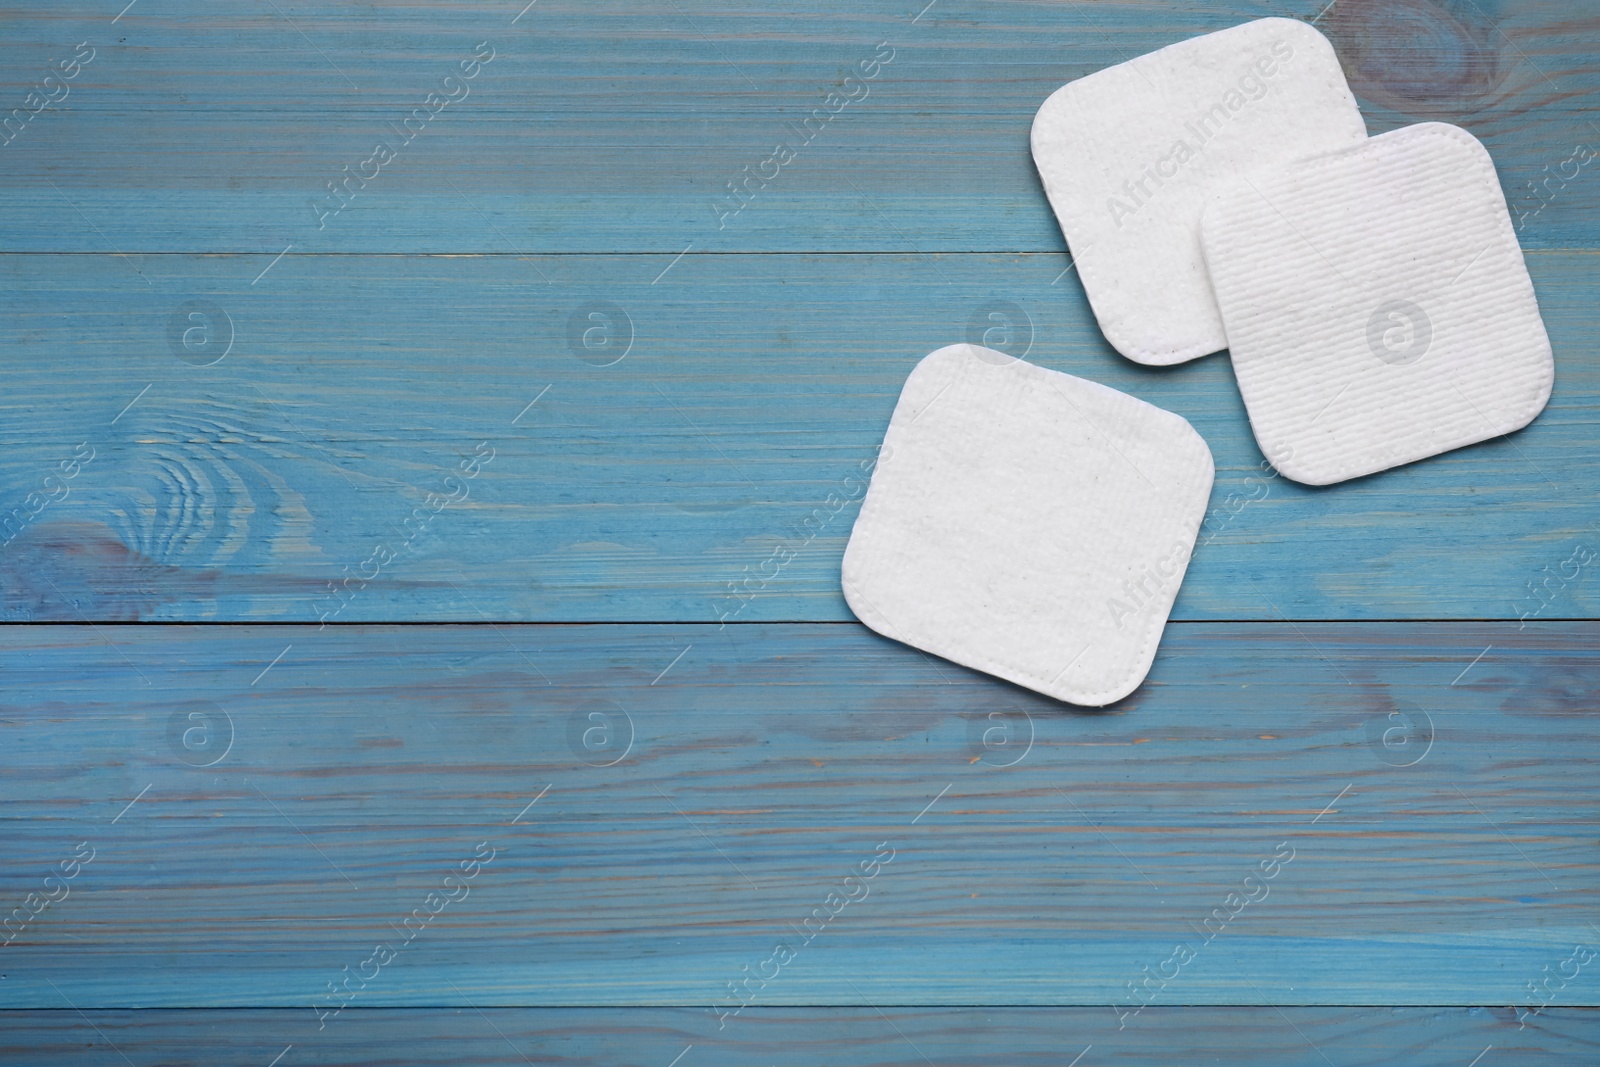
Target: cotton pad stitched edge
[[1130, 155], [1027, 523], [1378, 307]]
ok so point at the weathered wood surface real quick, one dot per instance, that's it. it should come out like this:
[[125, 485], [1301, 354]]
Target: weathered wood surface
[[296, 793], [1433, 784], [803, 1037], [755, 387], [606, 126]]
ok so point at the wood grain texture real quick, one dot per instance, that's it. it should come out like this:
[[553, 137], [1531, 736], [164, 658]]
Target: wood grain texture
[[665, 801], [755, 387], [800, 1037], [616, 126], [701, 792]]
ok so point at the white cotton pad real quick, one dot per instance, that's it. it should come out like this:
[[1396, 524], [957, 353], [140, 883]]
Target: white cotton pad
[[1377, 305], [1130, 155], [1028, 523]]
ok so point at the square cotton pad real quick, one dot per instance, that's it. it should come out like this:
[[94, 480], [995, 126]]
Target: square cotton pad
[[1377, 305], [1027, 523], [1130, 155]]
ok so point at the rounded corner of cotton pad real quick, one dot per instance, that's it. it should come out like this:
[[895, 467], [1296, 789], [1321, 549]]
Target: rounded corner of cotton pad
[[941, 361], [1547, 385], [858, 605], [1316, 479], [1130, 683], [1299, 26], [1118, 692], [960, 348], [1451, 132], [1052, 104], [1146, 356], [1311, 35], [1138, 673]]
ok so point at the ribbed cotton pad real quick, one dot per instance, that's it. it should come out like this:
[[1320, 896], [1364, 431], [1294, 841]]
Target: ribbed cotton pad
[[1377, 305], [1130, 155], [1027, 523]]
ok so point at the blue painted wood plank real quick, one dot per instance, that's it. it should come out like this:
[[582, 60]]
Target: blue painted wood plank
[[741, 396], [263, 805], [1314, 814], [799, 1037], [201, 125]]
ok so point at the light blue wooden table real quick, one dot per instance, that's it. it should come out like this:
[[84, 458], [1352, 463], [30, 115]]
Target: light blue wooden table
[[390, 672]]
